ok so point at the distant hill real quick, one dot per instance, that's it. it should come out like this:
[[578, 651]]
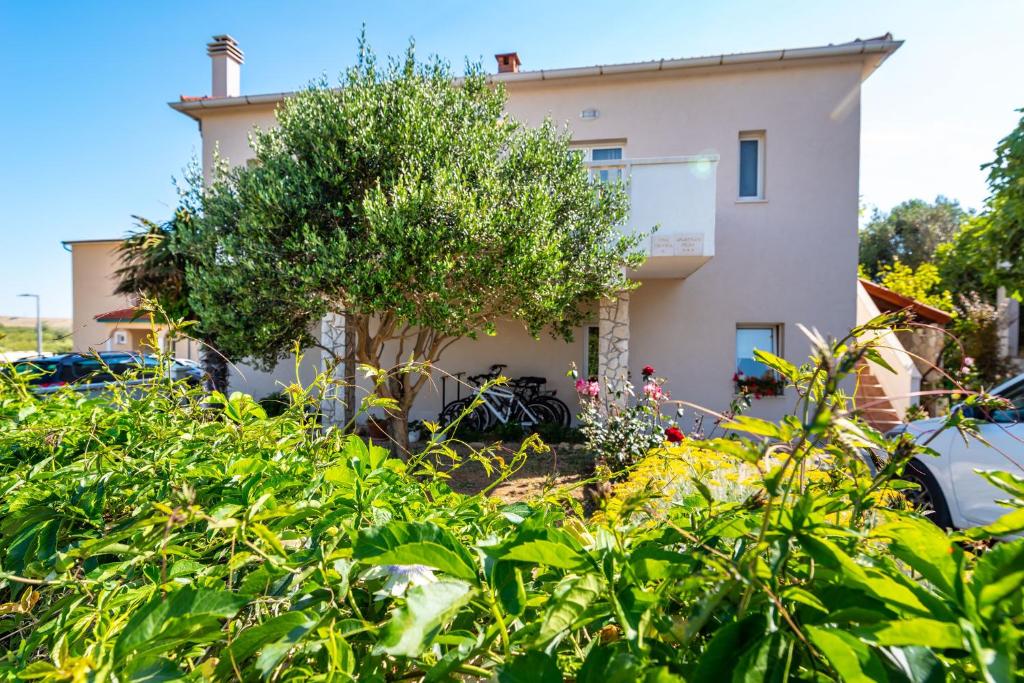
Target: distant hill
[[18, 334], [55, 324]]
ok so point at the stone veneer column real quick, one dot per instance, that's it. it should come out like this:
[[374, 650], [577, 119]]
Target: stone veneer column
[[332, 336], [613, 344]]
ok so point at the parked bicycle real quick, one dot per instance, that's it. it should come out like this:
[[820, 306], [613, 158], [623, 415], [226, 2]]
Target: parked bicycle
[[522, 401]]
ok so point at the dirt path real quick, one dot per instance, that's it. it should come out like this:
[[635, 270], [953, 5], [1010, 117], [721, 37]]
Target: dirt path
[[564, 465]]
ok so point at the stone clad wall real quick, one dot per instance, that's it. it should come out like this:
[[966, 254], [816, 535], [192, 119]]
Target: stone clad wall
[[613, 344]]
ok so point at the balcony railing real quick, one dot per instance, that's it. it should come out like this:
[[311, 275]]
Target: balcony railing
[[676, 194]]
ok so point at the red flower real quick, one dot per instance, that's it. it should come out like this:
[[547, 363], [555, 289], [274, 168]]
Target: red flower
[[674, 435], [647, 371]]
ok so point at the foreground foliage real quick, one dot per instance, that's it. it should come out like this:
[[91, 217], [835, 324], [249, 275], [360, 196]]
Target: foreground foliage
[[159, 538]]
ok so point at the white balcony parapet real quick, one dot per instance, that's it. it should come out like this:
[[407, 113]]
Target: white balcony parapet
[[676, 194]]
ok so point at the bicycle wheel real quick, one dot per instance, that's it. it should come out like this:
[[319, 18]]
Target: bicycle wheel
[[554, 409], [544, 412]]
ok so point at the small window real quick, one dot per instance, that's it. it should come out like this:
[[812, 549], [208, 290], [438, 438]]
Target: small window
[[604, 162], [751, 165], [606, 154], [750, 338], [120, 338]]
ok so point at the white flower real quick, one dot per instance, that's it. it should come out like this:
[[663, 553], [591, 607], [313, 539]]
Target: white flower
[[400, 578]]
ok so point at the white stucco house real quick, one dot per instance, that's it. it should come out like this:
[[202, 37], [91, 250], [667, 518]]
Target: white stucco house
[[749, 163]]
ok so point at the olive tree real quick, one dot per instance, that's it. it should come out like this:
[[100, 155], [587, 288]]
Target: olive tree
[[409, 200]]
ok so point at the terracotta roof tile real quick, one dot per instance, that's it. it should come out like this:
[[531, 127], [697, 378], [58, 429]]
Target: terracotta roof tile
[[121, 315]]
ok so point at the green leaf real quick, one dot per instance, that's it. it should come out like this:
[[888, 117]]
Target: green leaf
[[273, 653], [1007, 525], [931, 633], [852, 660], [609, 665], [780, 365], [185, 615], [927, 550], [873, 581], [545, 552], [998, 575], [415, 543], [531, 667], [758, 427], [507, 580], [720, 657], [427, 608], [249, 641], [568, 603], [763, 662]]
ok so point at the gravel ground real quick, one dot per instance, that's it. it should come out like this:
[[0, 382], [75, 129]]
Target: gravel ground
[[565, 465]]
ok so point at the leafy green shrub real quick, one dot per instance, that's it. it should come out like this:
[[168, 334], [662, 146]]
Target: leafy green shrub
[[975, 351], [620, 425], [275, 404], [148, 536]]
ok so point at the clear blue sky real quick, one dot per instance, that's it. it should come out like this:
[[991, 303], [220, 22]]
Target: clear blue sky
[[88, 140]]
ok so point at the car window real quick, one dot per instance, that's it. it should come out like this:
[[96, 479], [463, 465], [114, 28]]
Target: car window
[[1015, 395], [45, 369], [89, 370]]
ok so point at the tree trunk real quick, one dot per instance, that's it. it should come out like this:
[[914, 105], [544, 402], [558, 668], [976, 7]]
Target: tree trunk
[[215, 365], [398, 430]]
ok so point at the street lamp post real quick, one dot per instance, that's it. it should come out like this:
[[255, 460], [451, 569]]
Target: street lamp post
[[39, 325]]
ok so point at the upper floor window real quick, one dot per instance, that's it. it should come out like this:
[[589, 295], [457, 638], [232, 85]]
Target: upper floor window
[[603, 162], [751, 165]]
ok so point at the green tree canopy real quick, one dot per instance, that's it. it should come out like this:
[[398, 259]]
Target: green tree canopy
[[988, 250], [910, 233], [408, 199]]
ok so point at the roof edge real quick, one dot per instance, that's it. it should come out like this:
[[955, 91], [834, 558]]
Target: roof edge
[[93, 241], [882, 46], [929, 313]]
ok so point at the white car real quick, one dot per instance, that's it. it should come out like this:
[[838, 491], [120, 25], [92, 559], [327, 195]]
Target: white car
[[950, 488]]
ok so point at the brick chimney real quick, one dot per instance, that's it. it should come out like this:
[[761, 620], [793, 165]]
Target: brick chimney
[[226, 60], [508, 62]]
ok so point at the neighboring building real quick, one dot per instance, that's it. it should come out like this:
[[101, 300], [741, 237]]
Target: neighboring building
[[749, 163], [914, 354], [102, 320]]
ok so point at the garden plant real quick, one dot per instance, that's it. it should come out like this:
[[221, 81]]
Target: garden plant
[[177, 535]]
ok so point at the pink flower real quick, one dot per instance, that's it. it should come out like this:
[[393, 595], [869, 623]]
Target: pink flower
[[968, 362], [589, 388], [654, 392]]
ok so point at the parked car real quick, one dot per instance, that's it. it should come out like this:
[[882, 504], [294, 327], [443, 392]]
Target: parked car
[[950, 488], [89, 373]]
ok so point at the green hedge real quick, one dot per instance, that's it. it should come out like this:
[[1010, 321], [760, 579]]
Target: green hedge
[[154, 537]]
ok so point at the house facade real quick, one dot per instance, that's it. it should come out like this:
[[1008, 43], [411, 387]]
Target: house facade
[[747, 163]]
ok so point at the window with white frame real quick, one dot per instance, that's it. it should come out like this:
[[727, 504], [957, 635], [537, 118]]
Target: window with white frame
[[604, 161], [751, 166], [120, 337], [754, 337]]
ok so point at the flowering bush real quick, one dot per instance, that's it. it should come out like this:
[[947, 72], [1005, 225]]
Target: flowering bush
[[758, 387], [619, 431]]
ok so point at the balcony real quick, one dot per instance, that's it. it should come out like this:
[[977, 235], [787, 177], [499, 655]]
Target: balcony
[[677, 194]]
